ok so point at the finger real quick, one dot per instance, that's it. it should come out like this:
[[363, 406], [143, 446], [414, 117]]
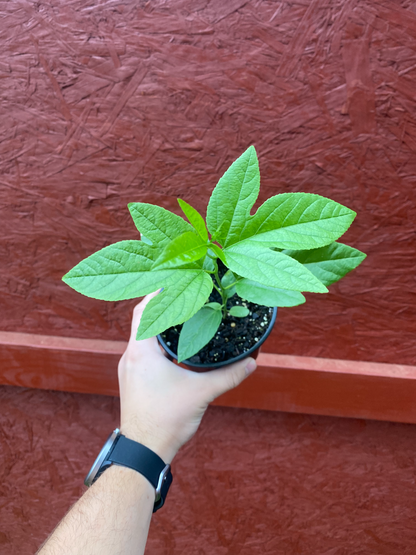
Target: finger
[[137, 314], [138, 311], [219, 381]]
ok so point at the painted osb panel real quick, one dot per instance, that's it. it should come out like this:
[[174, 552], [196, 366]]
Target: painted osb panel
[[106, 103], [249, 482]]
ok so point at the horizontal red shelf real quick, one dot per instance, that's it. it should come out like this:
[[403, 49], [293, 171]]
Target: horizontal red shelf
[[281, 382]]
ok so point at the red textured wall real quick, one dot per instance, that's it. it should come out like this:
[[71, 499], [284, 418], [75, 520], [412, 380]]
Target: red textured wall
[[250, 482], [106, 103]]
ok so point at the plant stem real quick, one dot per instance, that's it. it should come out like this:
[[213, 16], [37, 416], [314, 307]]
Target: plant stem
[[221, 291], [218, 289], [231, 285]]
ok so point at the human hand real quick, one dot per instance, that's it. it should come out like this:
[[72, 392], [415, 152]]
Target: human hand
[[163, 404]]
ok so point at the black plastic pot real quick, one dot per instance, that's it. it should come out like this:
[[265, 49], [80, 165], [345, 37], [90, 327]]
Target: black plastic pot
[[253, 352]]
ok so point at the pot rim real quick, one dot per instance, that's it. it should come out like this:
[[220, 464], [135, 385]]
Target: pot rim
[[230, 360]]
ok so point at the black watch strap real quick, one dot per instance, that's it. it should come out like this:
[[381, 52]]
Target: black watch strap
[[127, 452]]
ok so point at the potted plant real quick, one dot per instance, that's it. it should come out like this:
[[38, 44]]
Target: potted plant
[[222, 281]]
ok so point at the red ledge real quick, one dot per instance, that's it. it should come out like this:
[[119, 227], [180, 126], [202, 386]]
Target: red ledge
[[281, 382]]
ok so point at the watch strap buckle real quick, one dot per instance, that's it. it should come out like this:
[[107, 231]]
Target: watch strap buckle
[[163, 485]]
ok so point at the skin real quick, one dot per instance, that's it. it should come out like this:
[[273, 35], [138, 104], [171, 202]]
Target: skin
[[162, 406]]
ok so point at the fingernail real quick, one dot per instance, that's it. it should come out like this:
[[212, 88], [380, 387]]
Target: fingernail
[[251, 366], [161, 289]]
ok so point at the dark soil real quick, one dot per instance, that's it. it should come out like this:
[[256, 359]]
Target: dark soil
[[234, 336]]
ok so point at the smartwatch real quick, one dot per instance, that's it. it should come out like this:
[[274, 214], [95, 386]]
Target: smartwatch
[[118, 449]]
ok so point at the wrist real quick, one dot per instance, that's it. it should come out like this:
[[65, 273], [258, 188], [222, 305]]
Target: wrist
[[123, 477], [154, 442]]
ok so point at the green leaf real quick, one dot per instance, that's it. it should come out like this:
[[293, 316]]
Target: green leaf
[[297, 221], [120, 271], [208, 264], [271, 268], [267, 296], [176, 304], [233, 198], [214, 306], [217, 233], [227, 279], [157, 224], [184, 249], [239, 311], [197, 332], [331, 263], [217, 251], [195, 219]]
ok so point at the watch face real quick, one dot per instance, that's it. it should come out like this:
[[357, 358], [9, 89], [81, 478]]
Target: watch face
[[92, 474]]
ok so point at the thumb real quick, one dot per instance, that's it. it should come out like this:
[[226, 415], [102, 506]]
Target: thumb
[[138, 311], [151, 343], [222, 380]]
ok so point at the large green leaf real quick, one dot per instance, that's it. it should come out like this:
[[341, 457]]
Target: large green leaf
[[297, 221], [195, 219], [157, 224], [218, 232], [233, 198], [271, 268], [120, 271], [176, 304], [184, 249], [197, 332], [329, 264], [267, 296]]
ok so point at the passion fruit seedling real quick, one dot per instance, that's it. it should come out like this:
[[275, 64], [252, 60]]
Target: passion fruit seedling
[[287, 247]]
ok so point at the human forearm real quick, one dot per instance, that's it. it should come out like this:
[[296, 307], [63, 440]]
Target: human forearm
[[112, 517]]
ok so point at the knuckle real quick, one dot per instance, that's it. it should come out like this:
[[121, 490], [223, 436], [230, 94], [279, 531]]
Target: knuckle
[[126, 361], [233, 379], [121, 365], [129, 359]]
